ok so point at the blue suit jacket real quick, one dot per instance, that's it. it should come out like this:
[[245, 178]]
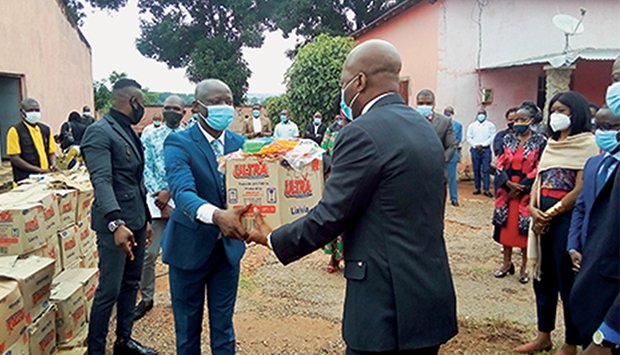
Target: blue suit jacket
[[581, 212], [191, 173]]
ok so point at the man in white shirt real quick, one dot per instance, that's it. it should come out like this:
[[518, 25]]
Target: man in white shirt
[[480, 136], [157, 120], [286, 128]]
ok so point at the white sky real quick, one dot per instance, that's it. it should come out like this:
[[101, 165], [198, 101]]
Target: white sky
[[112, 37]]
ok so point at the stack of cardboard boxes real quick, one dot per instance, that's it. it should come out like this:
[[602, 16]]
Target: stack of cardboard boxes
[[48, 266]]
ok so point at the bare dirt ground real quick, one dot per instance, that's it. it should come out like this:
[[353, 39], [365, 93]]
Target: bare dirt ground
[[297, 309]]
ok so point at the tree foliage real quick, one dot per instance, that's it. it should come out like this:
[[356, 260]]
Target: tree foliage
[[103, 92], [313, 80]]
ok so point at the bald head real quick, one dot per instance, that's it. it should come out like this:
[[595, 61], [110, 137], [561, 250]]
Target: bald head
[[371, 69], [174, 100], [29, 105], [211, 88], [615, 71]]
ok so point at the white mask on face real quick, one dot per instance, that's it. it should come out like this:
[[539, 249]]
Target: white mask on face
[[33, 117], [559, 121]]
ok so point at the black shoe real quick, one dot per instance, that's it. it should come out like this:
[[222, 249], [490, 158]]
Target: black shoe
[[477, 192], [488, 194], [131, 347], [501, 274], [524, 279], [141, 309], [455, 203]]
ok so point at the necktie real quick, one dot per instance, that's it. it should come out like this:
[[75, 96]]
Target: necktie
[[218, 150], [603, 172]]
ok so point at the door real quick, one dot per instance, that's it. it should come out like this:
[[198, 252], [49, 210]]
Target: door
[[9, 107]]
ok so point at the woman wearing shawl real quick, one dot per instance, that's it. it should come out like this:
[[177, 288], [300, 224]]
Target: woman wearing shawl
[[516, 170], [553, 197]]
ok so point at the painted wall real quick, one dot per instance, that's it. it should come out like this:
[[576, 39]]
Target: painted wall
[[42, 46], [592, 79], [413, 33]]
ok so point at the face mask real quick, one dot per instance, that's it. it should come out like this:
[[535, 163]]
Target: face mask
[[481, 117], [520, 128], [33, 117], [613, 98], [256, 113], [87, 113], [138, 112], [344, 107], [559, 121], [172, 118], [317, 121], [607, 140], [425, 110], [283, 118], [156, 123], [219, 116], [339, 121]]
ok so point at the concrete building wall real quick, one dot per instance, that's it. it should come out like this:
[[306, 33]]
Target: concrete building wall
[[43, 48]]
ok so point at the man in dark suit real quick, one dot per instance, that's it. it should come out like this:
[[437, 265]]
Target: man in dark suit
[[595, 297], [400, 297], [114, 157], [203, 242], [441, 124], [316, 129]]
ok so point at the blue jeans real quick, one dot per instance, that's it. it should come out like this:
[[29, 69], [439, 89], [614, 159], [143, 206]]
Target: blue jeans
[[454, 193], [482, 165], [119, 279]]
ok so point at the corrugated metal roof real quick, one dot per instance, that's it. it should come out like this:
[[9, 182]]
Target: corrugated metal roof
[[561, 59]]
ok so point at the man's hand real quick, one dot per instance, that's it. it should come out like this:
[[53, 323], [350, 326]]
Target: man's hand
[[123, 238], [594, 349], [166, 212], [149, 234], [575, 257], [479, 148], [261, 230], [53, 168], [229, 222], [162, 198]]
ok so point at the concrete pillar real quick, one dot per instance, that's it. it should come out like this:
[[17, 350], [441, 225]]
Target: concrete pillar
[[557, 80]]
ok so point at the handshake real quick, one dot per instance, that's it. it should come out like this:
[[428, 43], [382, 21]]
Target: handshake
[[230, 224]]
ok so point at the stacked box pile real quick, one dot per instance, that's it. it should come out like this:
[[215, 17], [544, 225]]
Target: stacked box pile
[[48, 265]]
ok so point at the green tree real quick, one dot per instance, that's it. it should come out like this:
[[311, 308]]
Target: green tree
[[103, 93], [313, 80], [274, 106]]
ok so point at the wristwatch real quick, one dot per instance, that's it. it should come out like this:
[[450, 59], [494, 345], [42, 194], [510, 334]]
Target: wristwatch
[[599, 339], [113, 225]]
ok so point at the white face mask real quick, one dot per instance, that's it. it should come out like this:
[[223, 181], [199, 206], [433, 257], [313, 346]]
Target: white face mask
[[33, 117], [559, 121]]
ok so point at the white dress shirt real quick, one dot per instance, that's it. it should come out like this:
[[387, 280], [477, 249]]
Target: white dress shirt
[[206, 211], [481, 133], [257, 124], [286, 130]]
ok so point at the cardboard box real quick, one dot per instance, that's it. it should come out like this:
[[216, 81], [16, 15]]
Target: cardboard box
[[51, 210], [86, 239], [74, 351], [68, 297], [90, 260], [34, 276], [68, 205], [12, 314], [42, 334], [88, 278], [69, 247], [51, 250], [281, 193], [20, 347], [22, 227], [86, 195]]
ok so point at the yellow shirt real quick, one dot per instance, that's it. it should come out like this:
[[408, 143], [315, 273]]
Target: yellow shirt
[[13, 147]]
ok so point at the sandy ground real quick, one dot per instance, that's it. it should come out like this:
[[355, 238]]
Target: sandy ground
[[297, 309]]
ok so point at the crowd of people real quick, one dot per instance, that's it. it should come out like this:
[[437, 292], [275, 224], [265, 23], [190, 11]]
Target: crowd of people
[[556, 193]]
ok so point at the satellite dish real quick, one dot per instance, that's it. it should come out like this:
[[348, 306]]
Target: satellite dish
[[570, 26]]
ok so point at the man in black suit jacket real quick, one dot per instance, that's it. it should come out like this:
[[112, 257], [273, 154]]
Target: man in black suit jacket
[[115, 160], [385, 193], [442, 124], [316, 129]]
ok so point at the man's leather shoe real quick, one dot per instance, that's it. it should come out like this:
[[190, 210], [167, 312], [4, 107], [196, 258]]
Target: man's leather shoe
[[131, 347], [141, 309], [477, 192], [455, 203], [488, 194]]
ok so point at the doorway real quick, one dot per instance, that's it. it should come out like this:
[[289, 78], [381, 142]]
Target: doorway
[[10, 96]]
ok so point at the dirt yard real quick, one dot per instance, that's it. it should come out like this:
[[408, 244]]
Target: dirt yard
[[297, 309]]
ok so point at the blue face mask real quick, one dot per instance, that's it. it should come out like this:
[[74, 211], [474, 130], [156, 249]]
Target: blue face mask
[[613, 98], [283, 118], [344, 107], [256, 113], [317, 121], [219, 117], [425, 110], [520, 128], [481, 117], [607, 140]]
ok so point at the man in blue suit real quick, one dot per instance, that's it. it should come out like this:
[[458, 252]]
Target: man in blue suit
[[595, 297], [203, 242]]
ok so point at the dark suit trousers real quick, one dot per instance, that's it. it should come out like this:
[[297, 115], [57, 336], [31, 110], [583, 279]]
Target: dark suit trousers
[[481, 162], [187, 287], [426, 351], [557, 275], [119, 279]]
